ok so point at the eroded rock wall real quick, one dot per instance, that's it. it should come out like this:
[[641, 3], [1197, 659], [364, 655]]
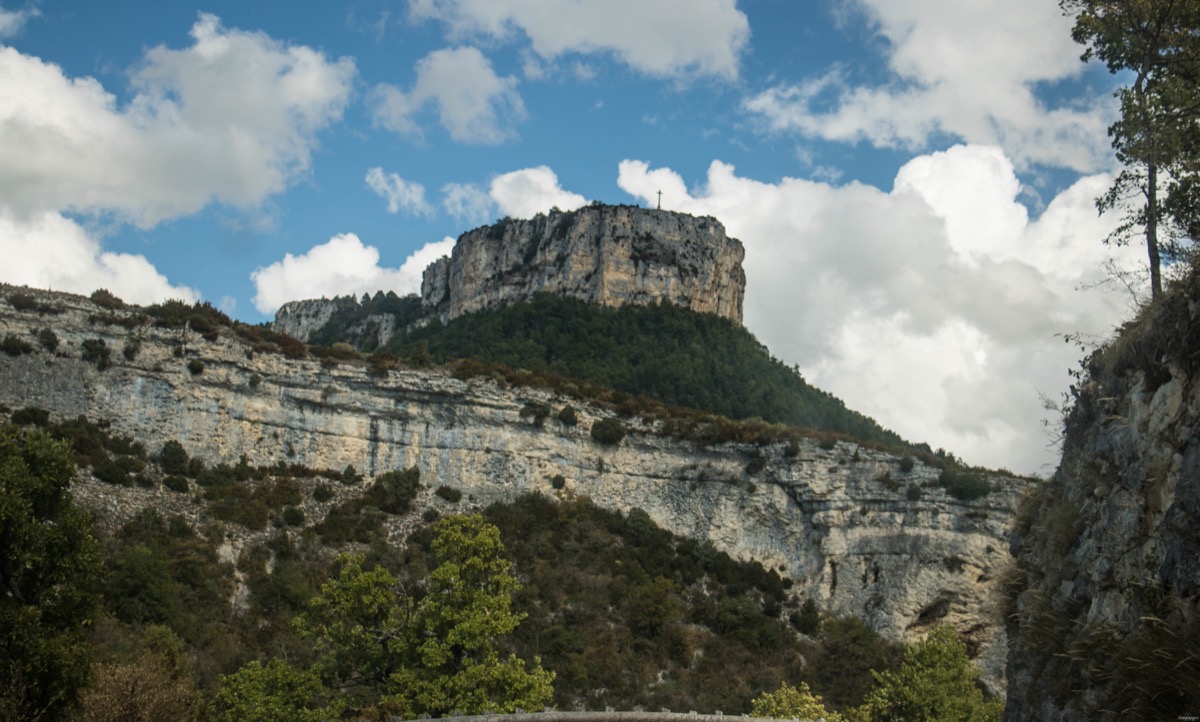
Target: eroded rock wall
[[609, 255], [858, 529]]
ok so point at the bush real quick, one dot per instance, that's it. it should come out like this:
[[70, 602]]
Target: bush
[[558, 482], [48, 339], [394, 491], [195, 366], [105, 299], [131, 348], [608, 431], [24, 302], [293, 516], [568, 416], [827, 444], [14, 346], [964, 485], [31, 416], [96, 351], [350, 475], [176, 483], [792, 450], [255, 380], [907, 464], [450, 494], [429, 516], [537, 411], [913, 493], [173, 458]]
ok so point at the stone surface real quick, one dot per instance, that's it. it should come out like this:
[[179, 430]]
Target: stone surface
[[838, 521], [610, 255], [1109, 544]]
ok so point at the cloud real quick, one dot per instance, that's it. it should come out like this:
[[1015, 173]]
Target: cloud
[[467, 202], [521, 193], [525, 193], [52, 251], [933, 307], [971, 71], [399, 193], [474, 104], [231, 119], [13, 21], [340, 266], [664, 38]]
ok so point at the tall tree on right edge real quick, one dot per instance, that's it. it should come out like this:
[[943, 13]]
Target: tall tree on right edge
[[1156, 138]]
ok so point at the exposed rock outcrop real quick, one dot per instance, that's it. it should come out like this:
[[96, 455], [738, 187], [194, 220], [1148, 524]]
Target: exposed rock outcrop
[[610, 255], [858, 529], [1105, 622]]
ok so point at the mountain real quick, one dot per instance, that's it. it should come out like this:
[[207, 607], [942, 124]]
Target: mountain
[[858, 529]]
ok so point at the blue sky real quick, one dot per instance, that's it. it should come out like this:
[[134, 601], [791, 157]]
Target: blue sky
[[912, 179]]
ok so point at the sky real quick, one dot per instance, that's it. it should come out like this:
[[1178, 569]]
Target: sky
[[913, 180]]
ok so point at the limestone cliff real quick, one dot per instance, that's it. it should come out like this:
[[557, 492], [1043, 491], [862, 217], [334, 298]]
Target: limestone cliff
[[609, 255], [1105, 621], [859, 530]]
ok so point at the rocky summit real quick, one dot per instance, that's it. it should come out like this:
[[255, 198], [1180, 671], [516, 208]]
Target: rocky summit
[[602, 254]]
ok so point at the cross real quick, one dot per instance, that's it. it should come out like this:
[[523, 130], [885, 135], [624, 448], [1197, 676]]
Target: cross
[[660, 200]]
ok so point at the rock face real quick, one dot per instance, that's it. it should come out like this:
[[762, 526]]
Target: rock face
[[610, 255], [1105, 620], [300, 319], [858, 530]]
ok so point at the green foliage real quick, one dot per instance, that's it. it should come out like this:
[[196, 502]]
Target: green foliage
[[452, 659], [662, 352], [275, 692], [131, 348], [608, 431], [322, 493], [789, 702], [14, 346], [48, 339], [103, 298], [380, 646], [448, 493], [808, 619], [558, 481], [936, 682], [913, 493], [95, 351], [176, 483], [568, 416], [31, 416], [964, 485], [49, 571], [907, 463], [22, 301], [393, 492], [536, 411], [173, 458], [195, 367]]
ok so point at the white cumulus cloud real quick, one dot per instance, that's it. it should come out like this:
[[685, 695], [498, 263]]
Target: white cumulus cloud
[[399, 193], [467, 202], [933, 307], [230, 119], [969, 70], [656, 37], [343, 265], [474, 104], [528, 192], [13, 21]]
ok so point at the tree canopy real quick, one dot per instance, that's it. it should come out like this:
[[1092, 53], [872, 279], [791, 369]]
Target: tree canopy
[[49, 576]]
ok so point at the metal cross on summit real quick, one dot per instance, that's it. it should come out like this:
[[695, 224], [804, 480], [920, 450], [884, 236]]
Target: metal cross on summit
[[660, 200]]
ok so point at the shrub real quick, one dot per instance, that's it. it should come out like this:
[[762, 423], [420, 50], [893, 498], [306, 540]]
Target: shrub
[[964, 485], [350, 475], [176, 483], [558, 482], [450, 494], [913, 493], [322, 493], [293, 516], [173, 458], [792, 450], [429, 516], [255, 380], [394, 491], [907, 464], [608, 431], [96, 351], [31, 416], [14, 346], [48, 339], [827, 444], [537, 411], [105, 299], [568, 416], [195, 366], [807, 620], [24, 302], [131, 348]]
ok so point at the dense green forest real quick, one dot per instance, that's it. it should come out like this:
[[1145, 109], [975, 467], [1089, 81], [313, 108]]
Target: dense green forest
[[662, 352]]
